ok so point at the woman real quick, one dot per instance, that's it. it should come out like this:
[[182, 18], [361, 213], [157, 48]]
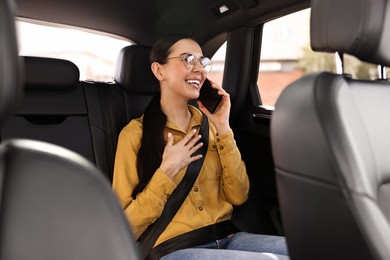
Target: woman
[[154, 151]]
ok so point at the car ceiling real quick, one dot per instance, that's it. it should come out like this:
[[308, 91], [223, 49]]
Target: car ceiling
[[143, 21]]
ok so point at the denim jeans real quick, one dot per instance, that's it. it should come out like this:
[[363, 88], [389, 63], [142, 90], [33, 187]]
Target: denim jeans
[[239, 246]]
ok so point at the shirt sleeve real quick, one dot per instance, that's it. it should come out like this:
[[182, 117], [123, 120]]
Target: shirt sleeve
[[149, 204], [235, 180]]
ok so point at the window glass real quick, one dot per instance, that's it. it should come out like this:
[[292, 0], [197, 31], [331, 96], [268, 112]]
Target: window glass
[[94, 54], [285, 55], [218, 59], [360, 70]]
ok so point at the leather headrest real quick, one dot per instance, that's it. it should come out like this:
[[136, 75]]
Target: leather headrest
[[50, 74], [357, 27], [10, 78], [133, 70]]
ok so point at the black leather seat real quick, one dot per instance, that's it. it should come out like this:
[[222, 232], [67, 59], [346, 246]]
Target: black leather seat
[[134, 75], [107, 116], [331, 142], [54, 203], [112, 105], [53, 108]]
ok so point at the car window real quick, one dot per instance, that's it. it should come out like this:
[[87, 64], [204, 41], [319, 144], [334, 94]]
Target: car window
[[94, 54], [360, 70], [285, 55], [218, 59]]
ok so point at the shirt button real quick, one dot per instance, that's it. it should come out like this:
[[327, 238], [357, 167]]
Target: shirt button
[[217, 140], [200, 208], [221, 147], [196, 189]]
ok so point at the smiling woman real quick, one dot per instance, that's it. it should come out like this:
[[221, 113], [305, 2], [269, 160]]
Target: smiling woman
[[95, 61], [164, 156]]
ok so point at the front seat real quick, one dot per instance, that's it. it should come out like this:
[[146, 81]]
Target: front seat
[[53, 203], [331, 141]]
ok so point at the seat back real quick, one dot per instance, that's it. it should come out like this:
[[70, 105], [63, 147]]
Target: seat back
[[134, 75], [57, 205], [330, 140], [54, 110], [54, 203], [107, 116], [111, 105], [10, 83]]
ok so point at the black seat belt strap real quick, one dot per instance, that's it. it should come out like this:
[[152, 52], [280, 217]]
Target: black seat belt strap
[[194, 238], [151, 234]]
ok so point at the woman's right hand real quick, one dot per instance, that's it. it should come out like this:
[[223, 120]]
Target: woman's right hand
[[178, 156]]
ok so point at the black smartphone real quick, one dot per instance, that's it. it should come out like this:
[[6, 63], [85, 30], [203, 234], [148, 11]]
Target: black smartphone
[[209, 96]]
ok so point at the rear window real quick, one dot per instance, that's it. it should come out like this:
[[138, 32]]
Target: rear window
[[95, 54]]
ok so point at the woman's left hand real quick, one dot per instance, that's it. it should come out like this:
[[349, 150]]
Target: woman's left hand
[[220, 117]]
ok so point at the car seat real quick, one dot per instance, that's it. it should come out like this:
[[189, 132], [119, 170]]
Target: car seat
[[54, 203], [134, 75], [331, 143]]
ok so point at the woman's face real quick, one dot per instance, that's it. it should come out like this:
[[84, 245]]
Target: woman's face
[[181, 79]]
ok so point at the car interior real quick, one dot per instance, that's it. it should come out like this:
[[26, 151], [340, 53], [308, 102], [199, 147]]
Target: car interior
[[316, 161]]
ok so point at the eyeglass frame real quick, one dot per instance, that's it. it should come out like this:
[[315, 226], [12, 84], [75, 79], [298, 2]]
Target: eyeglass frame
[[186, 64]]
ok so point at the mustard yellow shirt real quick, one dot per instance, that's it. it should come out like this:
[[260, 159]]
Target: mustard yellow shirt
[[222, 182]]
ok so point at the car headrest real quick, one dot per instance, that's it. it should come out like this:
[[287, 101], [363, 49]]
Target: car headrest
[[10, 77], [133, 70], [356, 27], [50, 74]]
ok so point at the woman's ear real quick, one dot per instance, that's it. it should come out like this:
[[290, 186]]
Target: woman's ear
[[157, 70]]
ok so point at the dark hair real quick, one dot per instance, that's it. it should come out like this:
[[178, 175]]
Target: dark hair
[[152, 146], [163, 47]]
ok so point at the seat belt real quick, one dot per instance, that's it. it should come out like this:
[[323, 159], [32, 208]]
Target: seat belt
[[193, 238], [153, 232]]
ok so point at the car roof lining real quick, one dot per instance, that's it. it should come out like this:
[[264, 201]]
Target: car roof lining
[[157, 17]]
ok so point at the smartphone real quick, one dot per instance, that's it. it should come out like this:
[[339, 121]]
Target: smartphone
[[209, 96]]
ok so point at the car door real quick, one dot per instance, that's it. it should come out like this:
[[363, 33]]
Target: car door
[[260, 61]]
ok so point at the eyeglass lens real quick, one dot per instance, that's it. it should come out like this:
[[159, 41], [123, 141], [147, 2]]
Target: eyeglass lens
[[190, 59]]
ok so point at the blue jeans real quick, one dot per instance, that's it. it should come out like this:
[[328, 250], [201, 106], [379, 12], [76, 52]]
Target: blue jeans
[[239, 246]]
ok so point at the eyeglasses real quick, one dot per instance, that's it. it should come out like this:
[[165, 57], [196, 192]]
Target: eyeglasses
[[189, 60]]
